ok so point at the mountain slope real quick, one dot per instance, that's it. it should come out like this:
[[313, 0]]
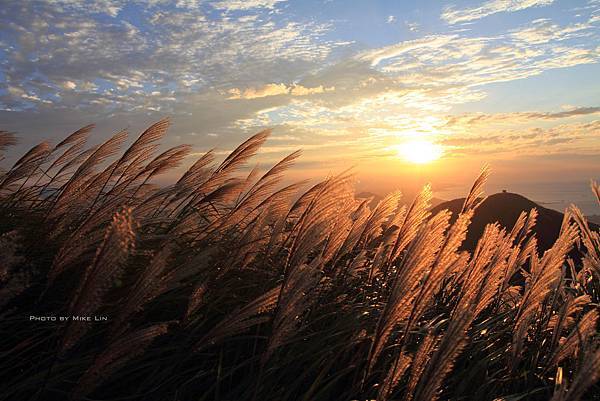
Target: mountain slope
[[505, 209]]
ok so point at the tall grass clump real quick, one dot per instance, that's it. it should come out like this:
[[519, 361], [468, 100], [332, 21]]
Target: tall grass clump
[[226, 285]]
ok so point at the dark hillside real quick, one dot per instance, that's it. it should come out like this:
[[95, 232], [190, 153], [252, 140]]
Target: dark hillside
[[505, 209]]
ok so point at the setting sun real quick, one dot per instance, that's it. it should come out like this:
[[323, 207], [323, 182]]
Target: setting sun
[[420, 151]]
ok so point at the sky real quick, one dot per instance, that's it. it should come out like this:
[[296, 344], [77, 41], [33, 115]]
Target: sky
[[353, 83]]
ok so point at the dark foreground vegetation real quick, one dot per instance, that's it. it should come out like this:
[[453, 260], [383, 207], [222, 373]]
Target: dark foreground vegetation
[[231, 286]]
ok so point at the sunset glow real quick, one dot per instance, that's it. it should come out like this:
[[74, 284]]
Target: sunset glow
[[420, 151], [455, 84]]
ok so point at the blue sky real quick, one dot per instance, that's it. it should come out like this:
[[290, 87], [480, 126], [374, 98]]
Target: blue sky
[[505, 82]]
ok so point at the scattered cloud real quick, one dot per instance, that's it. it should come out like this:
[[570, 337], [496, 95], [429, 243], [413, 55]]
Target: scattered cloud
[[544, 31], [453, 15], [253, 93], [299, 90], [231, 67], [236, 5], [275, 90], [518, 117], [61, 46], [578, 138], [429, 42], [412, 26]]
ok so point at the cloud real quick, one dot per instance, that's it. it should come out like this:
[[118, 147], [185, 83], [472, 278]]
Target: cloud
[[69, 85], [275, 90], [299, 90], [61, 52], [453, 60], [518, 117], [253, 93], [229, 68], [390, 19], [412, 26], [544, 31], [580, 138], [235, 5], [109, 7], [453, 16], [376, 56], [168, 61]]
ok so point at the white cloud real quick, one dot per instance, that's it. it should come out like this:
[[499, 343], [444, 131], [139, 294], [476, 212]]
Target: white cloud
[[109, 7], [275, 90], [119, 64], [235, 5], [69, 85], [391, 19], [429, 42], [231, 72], [254, 93], [412, 26], [453, 16], [544, 31]]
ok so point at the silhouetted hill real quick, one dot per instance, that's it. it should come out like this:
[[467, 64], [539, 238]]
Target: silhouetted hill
[[505, 208]]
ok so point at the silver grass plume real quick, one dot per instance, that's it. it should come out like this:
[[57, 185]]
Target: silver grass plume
[[416, 214], [563, 319], [25, 166], [7, 139], [579, 336], [118, 243], [400, 365], [253, 198], [477, 289], [72, 189], [421, 254], [475, 197], [596, 190], [294, 299], [151, 283], [419, 362], [217, 185], [241, 320], [591, 241], [544, 274]]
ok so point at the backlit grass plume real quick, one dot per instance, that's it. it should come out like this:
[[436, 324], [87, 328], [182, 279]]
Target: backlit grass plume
[[232, 283]]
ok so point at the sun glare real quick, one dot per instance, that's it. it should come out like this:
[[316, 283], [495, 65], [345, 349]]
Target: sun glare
[[420, 151]]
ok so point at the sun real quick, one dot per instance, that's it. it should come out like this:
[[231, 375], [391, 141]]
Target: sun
[[420, 151]]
